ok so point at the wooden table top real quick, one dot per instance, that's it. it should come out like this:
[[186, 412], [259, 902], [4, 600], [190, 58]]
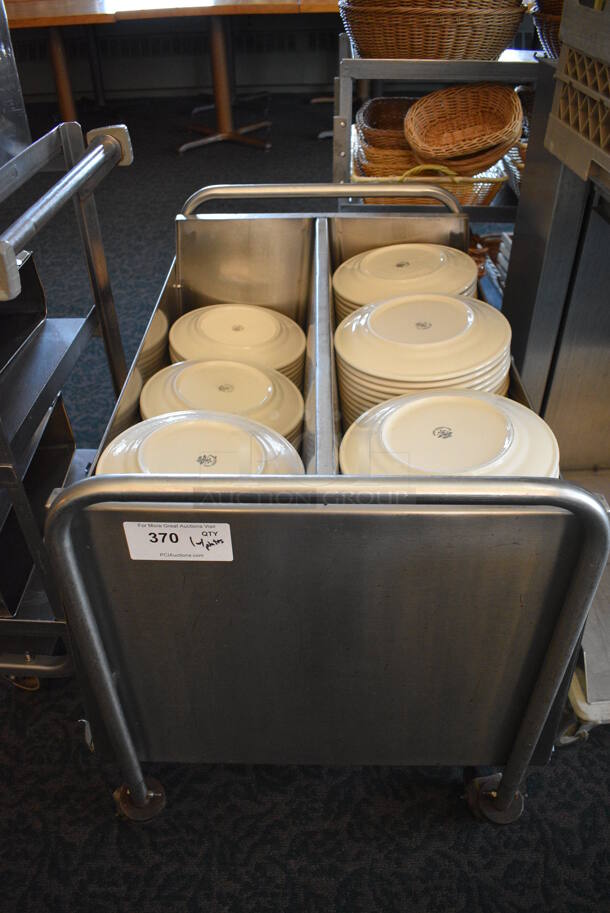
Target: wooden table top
[[160, 9], [44, 13], [34, 13], [319, 6]]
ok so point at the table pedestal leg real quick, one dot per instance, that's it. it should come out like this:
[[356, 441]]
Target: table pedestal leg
[[225, 130], [67, 109]]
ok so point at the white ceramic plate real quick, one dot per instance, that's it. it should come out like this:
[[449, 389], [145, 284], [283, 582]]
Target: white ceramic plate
[[261, 394], [200, 443], [403, 269], [450, 433], [357, 404], [237, 332], [359, 381], [422, 338]]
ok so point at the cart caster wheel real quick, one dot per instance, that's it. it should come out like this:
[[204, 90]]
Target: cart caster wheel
[[153, 807], [481, 793]]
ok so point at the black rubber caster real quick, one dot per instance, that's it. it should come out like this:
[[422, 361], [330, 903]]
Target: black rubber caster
[[154, 805], [481, 794]]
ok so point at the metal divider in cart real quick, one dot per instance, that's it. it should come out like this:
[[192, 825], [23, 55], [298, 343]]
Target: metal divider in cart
[[338, 620]]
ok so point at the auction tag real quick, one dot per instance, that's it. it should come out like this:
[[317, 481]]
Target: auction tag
[[179, 541]]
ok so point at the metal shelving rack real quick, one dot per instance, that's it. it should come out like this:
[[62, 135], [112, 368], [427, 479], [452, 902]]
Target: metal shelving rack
[[514, 68], [37, 354], [556, 298]]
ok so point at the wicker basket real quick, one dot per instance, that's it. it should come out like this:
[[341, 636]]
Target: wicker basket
[[470, 165], [485, 6], [463, 121], [547, 28], [479, 190], [380, 122], [383, 162], [440, 33]]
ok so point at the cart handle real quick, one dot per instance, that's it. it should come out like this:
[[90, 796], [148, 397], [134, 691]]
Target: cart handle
[[323, 191], [108, 146]]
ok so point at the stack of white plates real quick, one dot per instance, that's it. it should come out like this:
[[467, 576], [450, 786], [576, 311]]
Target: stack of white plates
[[449, 434], [402, 269], [200, 443], [152, 356], [241, 332], [261, 394], [420, 342]]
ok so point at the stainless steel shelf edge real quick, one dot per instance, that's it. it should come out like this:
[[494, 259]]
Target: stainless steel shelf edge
[[41, 667], [22, 317], [476, 214], [514, 67], [33, 627], [33, 380], [22, 464]]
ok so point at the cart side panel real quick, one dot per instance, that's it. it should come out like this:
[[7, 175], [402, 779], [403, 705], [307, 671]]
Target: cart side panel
[[127, 409], [337, 635], [352, 234], [264, 260]]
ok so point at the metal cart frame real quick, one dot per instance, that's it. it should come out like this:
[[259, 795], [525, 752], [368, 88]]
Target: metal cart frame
[[38, 353], [386, 620]]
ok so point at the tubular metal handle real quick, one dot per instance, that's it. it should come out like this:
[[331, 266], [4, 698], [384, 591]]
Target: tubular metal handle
[[103, 154], [322, 191]]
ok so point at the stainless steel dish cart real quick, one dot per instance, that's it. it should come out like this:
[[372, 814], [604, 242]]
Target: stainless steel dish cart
[[407, 621]]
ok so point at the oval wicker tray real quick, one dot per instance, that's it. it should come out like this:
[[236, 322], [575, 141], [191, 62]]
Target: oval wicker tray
[[463, 121]]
